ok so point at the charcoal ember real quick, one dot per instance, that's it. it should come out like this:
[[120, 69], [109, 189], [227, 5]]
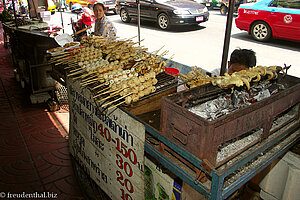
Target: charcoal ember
[[262, 95], [226, 104], [275, 88], [239, 98], [213, 109]]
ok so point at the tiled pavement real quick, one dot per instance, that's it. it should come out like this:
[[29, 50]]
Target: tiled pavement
[[34, 154]]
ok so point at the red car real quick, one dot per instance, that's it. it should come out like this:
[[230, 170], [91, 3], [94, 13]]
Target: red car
[[270, 18]]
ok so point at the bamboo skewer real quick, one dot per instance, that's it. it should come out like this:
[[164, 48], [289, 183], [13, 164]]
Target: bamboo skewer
[[86, 80], [100, 92], [59, 54], [90, 79], [99, 86], [83, 75], [69, 66], [65, 52], [114, 91], [91, 82], [171, 57], [62, 59], [155, 52], [116, 105], [110, 95], [184, 76], [116, 100], [75, 70], [163, 53], [59, 57], [59, 63], [75, 73]]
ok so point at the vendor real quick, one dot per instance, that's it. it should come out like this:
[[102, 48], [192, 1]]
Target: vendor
[[240, 59], [103, 27]]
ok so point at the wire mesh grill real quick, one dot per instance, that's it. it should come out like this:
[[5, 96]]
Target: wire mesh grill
[[61, 93]]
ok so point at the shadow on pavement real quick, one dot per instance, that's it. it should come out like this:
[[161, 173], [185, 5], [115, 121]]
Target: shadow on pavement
[[153, 26], [279, 43]]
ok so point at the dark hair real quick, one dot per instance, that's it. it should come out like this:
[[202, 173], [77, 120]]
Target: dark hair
[[244, 57], [98, 3]]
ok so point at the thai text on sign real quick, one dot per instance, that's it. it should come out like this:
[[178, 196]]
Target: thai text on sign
[[109, 147]]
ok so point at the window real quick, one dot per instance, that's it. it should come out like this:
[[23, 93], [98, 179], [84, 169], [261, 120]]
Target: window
[[286, 4]]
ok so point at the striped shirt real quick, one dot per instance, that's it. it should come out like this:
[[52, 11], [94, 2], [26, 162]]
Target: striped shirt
[[104, 27]]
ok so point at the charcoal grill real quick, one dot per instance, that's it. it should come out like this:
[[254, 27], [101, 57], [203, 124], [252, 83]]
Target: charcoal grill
[[204, 138]]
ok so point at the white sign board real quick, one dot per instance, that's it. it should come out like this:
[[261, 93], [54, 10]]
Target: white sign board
[[158, 185], [109, 147]]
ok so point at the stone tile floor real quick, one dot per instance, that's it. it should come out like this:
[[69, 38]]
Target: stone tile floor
[[34, 156]]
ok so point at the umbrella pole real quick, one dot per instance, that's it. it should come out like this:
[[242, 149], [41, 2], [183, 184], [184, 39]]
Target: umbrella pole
[[227, 37], [62, 20], [13, 3], [139, 20]]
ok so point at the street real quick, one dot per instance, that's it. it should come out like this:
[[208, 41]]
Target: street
[[202, 45]]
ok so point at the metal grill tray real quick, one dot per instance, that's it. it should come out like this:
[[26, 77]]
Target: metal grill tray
[[203, 138]]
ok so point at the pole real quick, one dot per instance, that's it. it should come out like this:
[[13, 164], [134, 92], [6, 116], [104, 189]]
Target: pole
[[227, 37], [13, 3], [61, 17], [139, 20], [4, 4]]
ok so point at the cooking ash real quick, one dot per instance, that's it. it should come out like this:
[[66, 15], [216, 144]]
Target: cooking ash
[[228, 103], [237, 144], [232, 147]]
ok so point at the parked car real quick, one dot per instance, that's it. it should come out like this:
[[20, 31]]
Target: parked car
[[224, 5], [207, 3], [81, 2], [164, 12], [51, 7], [76, 8], [270, 18], [109, 5]]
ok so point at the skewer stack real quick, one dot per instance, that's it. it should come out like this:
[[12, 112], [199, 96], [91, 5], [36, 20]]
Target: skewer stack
[[238, 79], [196, 78], [117, 71]]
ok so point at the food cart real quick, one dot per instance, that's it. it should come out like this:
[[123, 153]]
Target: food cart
[[156, 147], [28, 40], [123, 146], [28, 45]]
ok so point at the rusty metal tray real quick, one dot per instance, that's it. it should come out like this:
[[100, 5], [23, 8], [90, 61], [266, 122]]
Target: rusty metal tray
[[203, 138]]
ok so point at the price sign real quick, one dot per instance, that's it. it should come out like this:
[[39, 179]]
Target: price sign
[[109, 147]]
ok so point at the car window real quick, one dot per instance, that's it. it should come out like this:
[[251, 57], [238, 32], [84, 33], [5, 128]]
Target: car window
[[164, 1], [286, 4]]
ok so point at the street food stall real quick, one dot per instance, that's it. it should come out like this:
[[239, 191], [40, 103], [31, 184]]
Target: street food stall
[[28, 39], [138, 138], [28, 44]]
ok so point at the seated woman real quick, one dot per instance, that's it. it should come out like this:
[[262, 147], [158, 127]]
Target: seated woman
[[103, 27]]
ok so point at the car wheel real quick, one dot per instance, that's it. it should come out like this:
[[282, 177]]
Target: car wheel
[[71, 4], [223, 10], [163, 21], [211, 7], [261, 31], [124, 16]]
